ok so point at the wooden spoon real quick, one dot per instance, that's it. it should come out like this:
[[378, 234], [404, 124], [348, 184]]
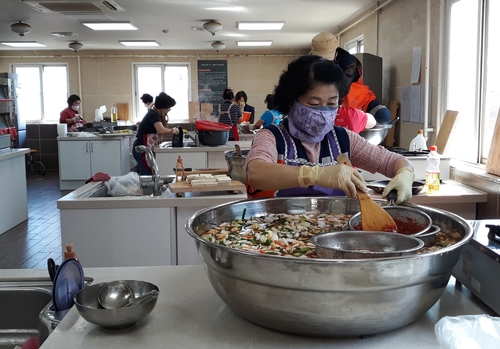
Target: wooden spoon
[[238, 150], [373, 217]]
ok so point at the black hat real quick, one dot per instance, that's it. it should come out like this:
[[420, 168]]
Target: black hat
[[147, 98], [164, 101]]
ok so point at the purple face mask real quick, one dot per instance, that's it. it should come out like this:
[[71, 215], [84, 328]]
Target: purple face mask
[[310, 124]]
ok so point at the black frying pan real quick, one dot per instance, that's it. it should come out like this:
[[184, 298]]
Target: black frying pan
[[379, 186]]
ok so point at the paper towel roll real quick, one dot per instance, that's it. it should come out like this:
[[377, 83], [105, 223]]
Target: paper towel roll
[[62, 130]]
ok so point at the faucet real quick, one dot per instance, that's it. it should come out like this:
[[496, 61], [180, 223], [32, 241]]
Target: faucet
[[194, 139], [151, 160]]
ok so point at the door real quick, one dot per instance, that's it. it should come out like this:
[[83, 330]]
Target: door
[[74, 160], [106, 157]]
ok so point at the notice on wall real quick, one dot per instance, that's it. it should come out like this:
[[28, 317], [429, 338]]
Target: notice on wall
[[212, 80], [413, 104]]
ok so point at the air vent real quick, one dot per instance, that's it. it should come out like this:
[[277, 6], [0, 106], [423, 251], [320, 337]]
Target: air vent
[[73, 6]]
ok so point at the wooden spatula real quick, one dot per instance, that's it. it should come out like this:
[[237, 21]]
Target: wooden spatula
[[373, 217]]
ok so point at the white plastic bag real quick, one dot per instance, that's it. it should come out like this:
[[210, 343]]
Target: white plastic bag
[[126, 185], [468, 332]]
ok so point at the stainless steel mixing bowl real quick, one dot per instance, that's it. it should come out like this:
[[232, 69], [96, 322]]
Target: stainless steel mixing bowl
[[87, 303], [236, 164], [324, 297]]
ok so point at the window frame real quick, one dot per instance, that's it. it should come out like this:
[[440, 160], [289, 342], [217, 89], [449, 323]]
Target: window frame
[[43, 119], [135, 83], [480, 96], [358, 41]]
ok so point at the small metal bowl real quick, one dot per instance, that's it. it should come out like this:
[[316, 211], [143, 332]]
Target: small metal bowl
[[379, 186], [364, 244], [429, 236], [87, 304], [410, 221]]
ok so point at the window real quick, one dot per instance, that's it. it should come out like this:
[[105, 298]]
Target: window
[[42, 92], [472, 86], [356, 46], [171, 78]]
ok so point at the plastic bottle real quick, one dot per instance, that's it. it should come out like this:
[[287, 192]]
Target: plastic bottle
[[418, 143], [432, 172], [70, 253], [114, 113]]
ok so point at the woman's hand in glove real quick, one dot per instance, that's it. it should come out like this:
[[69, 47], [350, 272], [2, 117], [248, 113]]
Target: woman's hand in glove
[[402, 182], [341, 177], [175, 131]]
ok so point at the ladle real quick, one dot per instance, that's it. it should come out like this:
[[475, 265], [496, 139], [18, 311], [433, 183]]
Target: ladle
[[146, 297], [115, 295], [373, 217]]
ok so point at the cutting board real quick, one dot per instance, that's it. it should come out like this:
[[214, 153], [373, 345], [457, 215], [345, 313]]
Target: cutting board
[[122, 111], [445, 131], [393, 108], [214, 171], [493, 162], [180, 188]]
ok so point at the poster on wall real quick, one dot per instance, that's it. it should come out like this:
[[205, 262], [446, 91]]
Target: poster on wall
[[212, 80]]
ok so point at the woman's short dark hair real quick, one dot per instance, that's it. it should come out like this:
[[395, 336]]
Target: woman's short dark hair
[[164, 101], [269, 101], [240, 94], [147, 98], [304, 74], [72, 99], [227, 94]]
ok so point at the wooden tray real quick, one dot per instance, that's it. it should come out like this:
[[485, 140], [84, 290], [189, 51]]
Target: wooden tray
[[180, 188]]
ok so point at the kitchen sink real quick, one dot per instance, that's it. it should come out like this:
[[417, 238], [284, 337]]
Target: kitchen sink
[[22, 305], [102, 191]]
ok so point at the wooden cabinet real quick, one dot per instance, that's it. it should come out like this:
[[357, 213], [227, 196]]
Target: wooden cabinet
[[81, 159]]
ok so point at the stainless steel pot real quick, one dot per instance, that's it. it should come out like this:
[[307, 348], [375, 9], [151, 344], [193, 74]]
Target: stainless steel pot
[[213, 138], [376, 135], [236, 164], [319, 297]]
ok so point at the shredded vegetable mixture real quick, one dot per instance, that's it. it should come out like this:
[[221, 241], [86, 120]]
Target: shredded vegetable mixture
[[288, 234], [277, 234]]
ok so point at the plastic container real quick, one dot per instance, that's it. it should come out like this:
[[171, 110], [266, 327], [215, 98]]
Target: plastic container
[[418, 143], [114, 113], [433, 172], [70, 253]]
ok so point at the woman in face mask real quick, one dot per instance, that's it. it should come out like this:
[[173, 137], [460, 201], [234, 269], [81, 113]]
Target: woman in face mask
[[298, 156], [71, 115], [241, 99]]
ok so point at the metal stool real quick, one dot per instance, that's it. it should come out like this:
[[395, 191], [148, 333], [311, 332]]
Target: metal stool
[[31, 162]]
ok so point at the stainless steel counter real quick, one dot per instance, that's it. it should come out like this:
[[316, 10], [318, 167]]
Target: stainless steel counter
[[190, 315]]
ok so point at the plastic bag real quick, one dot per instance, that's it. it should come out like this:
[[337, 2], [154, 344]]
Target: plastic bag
[[468, 332], [127, 185]]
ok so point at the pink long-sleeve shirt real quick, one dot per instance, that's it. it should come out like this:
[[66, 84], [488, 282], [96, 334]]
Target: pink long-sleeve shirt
[[364, 155]]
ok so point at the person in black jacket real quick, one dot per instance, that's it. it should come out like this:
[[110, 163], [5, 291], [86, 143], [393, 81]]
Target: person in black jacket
[[241, 99]]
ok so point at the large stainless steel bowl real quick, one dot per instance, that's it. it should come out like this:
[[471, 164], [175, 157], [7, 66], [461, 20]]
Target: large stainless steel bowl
[[320, 297], [236, 164]]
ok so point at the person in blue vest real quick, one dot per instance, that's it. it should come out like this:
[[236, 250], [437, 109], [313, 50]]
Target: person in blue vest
[[270, 116], [298, 156]]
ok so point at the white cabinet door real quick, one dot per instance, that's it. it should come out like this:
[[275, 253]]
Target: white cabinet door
[[216, 160], [106, 157], [187, 253], [74, 160]]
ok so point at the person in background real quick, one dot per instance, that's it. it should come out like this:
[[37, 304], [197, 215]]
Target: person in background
[[147, 99], [354, 119], [360, 96], [229, 113], [270, 116], [241, 99], [70, 114], [153, 125], [298, 156]]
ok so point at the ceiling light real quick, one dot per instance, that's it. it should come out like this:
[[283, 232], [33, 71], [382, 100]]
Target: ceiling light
[[255, 43], [64, 34], [110, 25], [20, 28], [260, 25], [139, 43], [212, 26], [218, 45], [75, 45], [23, 44], [231, 9]]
